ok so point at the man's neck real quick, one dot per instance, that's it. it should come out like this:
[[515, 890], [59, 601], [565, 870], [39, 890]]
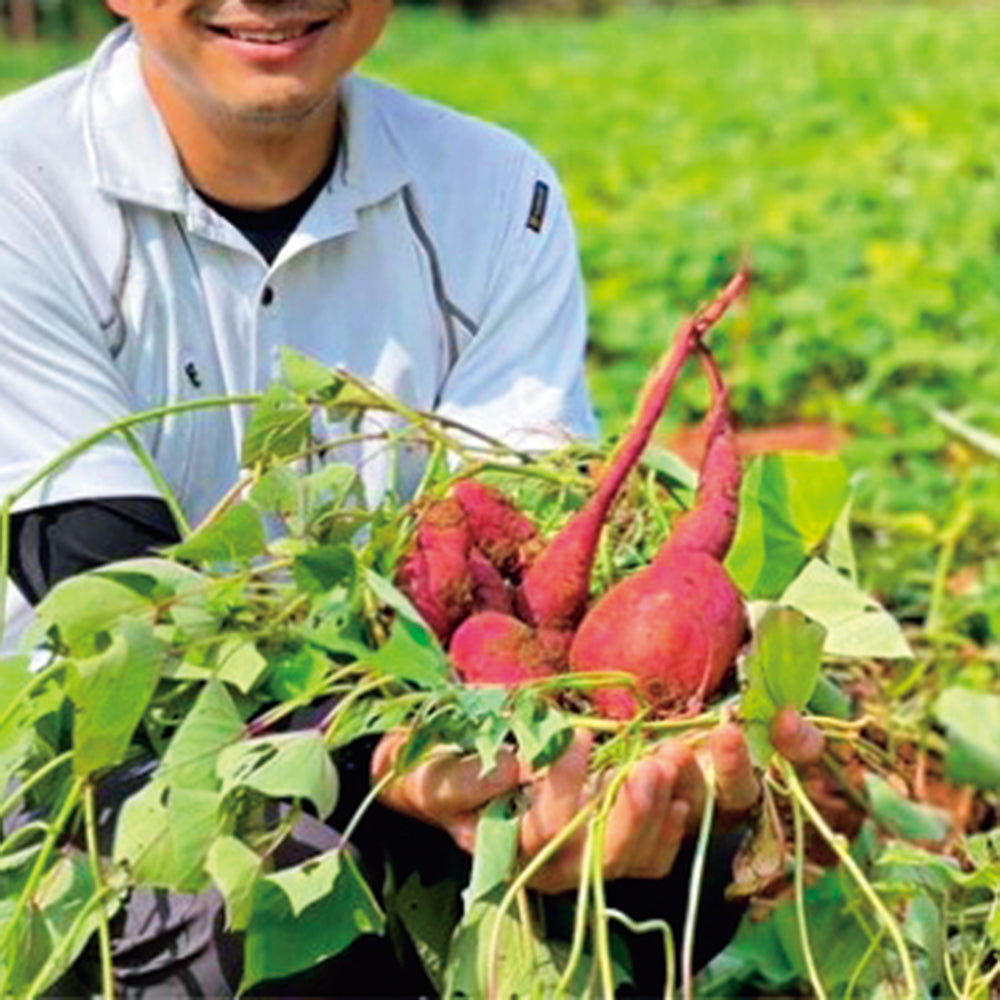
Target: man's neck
[[245, 165]]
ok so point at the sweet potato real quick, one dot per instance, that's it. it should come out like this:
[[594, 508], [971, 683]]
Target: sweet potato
[[553, 596], [677, 625]]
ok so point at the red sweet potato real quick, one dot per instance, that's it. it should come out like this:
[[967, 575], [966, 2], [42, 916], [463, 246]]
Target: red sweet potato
[[677, 625], [504, 535], [553, 596], [434, 573]]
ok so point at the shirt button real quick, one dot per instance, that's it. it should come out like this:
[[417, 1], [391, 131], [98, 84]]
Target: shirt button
[[267, 296]]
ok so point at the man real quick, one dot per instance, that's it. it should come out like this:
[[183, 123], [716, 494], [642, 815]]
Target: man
[[215, 184]]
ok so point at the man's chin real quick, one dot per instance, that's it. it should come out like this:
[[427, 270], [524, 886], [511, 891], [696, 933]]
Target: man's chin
[[278, 111]]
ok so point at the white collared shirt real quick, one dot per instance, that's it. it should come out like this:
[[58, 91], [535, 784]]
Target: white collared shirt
[[422, 265], [122, 290]]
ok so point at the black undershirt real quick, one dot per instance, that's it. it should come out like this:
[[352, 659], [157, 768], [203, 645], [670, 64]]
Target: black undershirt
[[268, 229], [51, 543]]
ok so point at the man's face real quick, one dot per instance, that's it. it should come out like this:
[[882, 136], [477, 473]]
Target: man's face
[[254, 61]]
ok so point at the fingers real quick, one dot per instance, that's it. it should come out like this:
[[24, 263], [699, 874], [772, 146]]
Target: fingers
[[645, 827], [648, 820], [447, 790], [795, 738], [737, 784], [557, 796]]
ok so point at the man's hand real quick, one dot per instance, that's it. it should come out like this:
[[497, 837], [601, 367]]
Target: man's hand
[[659, 803]]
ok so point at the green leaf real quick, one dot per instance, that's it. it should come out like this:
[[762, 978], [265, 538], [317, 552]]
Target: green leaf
[[788, 505], [856, 624], [828, 699], [304, 375], [278, 427], [287, 766], [411, 654], [155, 580], [495, 856], [367, 717], [83, 608], [64, 892], [840, 549], [234, 869], [164, 834], [972, 719], [543, 732], [391, 597], [211, 725], [326, 568], [984, 849], [331, 487], [337, 625], [919, 868], [670, 467], [839, 940], [278, 492], [528, 966], [236, 537], [903, 818], [304, 915], [430, 915], [110, 693], [240, 663], [17, 733], [296, 672], [781, 669]]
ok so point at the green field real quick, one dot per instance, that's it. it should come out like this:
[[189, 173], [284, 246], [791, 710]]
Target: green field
[[849, 154]]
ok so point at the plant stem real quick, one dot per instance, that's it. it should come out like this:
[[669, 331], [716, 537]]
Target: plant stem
[[949, 968], [348, 701], [836, 842], [526, 874], [580, 916], [427, 421], [863, 964], [651, 927], [800, 901], [26, 786], [602, 943], [366, 804], [78, 448], [950, 538], [118, 426], [103, 931], [695, 882], [159, 480]]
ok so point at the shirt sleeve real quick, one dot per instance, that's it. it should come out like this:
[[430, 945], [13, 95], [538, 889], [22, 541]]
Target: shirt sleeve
[[57, 541], [58, 381], [521, 377]]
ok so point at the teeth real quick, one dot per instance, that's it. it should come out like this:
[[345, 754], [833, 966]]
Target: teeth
[[267, 37]]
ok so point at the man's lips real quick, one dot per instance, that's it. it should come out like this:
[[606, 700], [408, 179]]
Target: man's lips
[[269, 34]]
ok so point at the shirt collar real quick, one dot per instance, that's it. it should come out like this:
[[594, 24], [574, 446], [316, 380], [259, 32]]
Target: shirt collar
[[133, 158]]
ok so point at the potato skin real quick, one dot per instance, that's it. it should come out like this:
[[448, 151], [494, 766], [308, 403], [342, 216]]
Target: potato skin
[[676, 626]]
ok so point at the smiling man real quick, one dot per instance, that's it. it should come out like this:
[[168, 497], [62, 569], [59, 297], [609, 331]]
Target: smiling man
[[216, 183]]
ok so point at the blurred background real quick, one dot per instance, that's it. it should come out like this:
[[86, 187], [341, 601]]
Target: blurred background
[[849, 153]]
